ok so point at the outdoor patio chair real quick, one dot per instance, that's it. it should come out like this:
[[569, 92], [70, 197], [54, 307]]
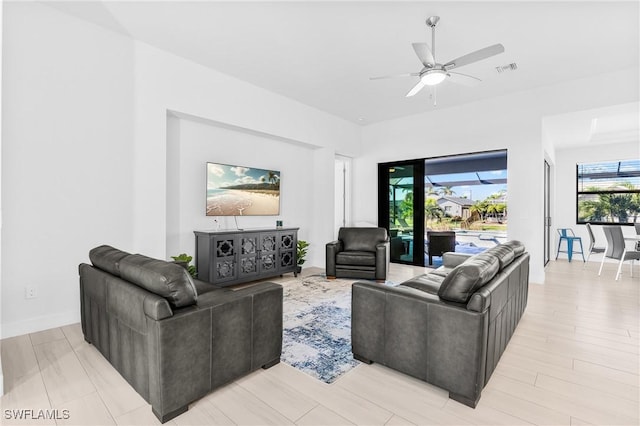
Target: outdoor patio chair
[[439, 242], [617, 249], [567, 234]]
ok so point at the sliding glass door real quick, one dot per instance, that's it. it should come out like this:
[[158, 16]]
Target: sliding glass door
[[401, 197], [465, 194]]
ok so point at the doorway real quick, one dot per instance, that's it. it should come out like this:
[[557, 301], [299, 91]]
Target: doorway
[[342, 193], [547, 212]]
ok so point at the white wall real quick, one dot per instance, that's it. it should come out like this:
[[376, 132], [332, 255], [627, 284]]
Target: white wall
[[512, 122], [165, 82], [197, 142], [85, 150], [1, 374], [566, 161], [66, 158]]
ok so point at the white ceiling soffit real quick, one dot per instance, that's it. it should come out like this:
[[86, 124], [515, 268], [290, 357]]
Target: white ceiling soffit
[[322, 53], [619, 123]]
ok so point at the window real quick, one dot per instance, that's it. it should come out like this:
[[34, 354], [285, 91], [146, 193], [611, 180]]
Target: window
[[608, 192]]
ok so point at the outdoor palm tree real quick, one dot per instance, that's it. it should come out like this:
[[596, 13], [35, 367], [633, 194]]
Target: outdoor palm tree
[[446, 190], [432, 210], [479, 208], [610, 206], [431, 191]]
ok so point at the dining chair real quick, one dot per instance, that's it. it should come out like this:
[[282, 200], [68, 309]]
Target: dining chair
[[567, 234], [617, 249], [592, 244]]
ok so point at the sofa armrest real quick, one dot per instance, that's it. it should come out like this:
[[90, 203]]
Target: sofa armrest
[[332, 250], [382, 260], [452, 259]]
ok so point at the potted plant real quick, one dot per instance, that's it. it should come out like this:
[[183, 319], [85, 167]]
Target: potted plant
[[302, 247], [183, 260]]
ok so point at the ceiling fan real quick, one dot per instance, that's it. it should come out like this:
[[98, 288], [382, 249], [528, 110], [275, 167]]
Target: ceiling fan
[[435, 73]]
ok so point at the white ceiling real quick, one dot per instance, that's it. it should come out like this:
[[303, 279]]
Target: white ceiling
[[323, 53], [618, 123]]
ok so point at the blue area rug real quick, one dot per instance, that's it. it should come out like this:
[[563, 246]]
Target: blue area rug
[[317, 326]]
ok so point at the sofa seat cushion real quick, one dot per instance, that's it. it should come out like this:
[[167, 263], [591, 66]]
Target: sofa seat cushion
[[165, 279], [361, 258], [468, 277], [441, 271], [107, 258], [429, 283], [203, 287]]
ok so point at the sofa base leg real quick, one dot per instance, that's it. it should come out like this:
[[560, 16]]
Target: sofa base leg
[[331, 277], [464, 400], [362, 359], [271, 363], [170, 415]]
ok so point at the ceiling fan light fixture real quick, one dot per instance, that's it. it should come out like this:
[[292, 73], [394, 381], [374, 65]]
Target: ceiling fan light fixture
[[433, 77]]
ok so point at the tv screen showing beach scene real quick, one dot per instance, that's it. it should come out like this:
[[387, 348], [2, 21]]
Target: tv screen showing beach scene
[[242, 191]]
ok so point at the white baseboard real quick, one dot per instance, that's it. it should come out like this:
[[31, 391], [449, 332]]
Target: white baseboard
[[32, 325]]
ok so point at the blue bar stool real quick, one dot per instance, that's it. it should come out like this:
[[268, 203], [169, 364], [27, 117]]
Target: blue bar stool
[[569, 236]]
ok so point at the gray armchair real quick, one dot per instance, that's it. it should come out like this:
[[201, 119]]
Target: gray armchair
[[358, 253]]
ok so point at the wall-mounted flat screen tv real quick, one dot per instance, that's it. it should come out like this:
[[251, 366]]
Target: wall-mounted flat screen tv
[[242, 191]]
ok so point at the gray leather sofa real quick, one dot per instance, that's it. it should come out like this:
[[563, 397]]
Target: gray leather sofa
[[448, 327], [358, 253], [174, 339]]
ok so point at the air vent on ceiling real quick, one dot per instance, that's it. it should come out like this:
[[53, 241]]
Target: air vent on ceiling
[[511, 67]]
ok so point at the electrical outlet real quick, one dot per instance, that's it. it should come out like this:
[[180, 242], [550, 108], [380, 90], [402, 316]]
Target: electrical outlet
[[30, 292]]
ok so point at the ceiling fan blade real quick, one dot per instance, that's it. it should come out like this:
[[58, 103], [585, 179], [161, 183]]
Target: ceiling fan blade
[[476, 56], [418, 87], [464, 79], [407, 74], [424, 54]]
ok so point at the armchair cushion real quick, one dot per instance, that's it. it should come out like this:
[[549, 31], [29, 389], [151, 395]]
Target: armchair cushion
[[361, 239], [360, 258]]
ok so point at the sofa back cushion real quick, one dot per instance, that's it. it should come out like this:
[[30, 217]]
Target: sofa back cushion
[[107, 258], [517, 246], [468, 277], [362, 239], [165, 279], [504, 253]]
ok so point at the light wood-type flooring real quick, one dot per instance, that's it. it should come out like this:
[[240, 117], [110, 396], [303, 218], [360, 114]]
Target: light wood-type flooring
[[573, 361]]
